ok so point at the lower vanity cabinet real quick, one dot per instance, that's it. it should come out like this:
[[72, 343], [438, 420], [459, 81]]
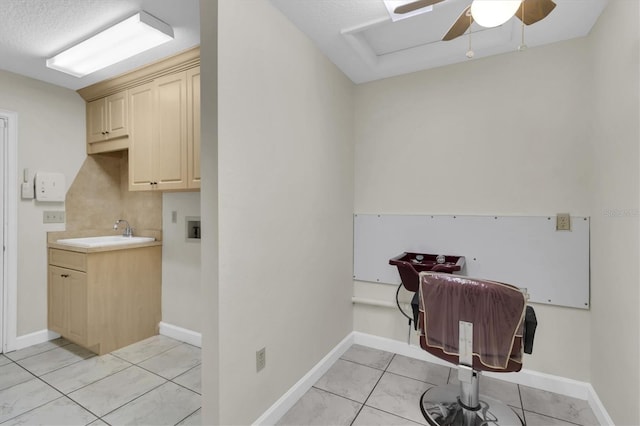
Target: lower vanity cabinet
[[68, 303], [105, 300]]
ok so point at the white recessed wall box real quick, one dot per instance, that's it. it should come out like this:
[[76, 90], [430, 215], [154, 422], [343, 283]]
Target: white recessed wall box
[[50, 187]]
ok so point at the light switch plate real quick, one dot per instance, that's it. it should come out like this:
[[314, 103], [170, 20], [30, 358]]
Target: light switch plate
[[563, 222], [53, 217]]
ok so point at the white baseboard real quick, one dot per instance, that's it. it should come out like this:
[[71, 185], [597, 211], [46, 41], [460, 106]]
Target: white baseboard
[[169, 330], [598, 408], [286, 401], [534, 379], [182, 334], [34, 338]]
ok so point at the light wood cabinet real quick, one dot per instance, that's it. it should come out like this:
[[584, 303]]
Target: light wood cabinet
[[141, 103], [170, 145], [158, 108], [161, 129], [105, 300], [193, 127], [107, 118]]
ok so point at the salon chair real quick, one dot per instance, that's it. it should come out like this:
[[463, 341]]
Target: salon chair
[[478, 325]]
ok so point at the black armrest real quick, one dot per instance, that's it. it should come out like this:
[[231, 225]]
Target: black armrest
[[415, 305], [530, 324]]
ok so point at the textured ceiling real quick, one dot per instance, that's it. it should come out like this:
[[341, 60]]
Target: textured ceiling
[[357, 35], [33, 30], [360, 38]]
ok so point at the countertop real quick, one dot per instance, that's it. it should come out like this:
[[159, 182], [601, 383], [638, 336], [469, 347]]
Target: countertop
[[52, 237]]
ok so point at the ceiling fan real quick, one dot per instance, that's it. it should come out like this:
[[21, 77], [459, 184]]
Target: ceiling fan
[[529, 12]]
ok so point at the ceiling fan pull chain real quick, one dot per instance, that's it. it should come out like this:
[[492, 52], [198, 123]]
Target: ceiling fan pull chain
[[470, 52], [522, 45]]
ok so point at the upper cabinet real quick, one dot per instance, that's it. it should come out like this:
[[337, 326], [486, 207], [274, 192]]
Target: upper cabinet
[[193, 127], [156, 116], [158, 146], [107, 120]]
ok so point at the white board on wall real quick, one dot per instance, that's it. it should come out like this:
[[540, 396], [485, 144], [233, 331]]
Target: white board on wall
[[525, 251]]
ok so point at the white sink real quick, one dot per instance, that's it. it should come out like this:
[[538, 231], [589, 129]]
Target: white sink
[[108, 240]]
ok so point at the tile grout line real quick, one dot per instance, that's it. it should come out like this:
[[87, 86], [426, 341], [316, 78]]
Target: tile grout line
[[128, 402], [372, 390], [183, 386], [59, 368], [175, 377], [39, 353], [191, 414], [524, 416], [386, 370], [335, 394], [146, 359]]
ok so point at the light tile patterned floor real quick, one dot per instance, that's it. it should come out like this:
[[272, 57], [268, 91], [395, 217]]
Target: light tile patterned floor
[[371, 387], [157, 382], [153, 382]]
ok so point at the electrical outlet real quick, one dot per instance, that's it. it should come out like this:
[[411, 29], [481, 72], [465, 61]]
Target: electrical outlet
[[563, 222], [53, 217], [261, 359]]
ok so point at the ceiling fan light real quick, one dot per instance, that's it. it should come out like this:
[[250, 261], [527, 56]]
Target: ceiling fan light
[[492, 13]]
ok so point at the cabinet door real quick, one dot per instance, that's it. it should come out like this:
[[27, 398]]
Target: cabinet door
[[116, 115], [96, 121], [170, 147], [77, 306], [142, 133], [57, 300], [193, 131]]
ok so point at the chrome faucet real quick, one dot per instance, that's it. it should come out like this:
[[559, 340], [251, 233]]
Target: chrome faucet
[[128, 231]]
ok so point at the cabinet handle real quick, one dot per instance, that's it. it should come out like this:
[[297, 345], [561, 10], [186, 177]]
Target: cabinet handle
[[64, 275]]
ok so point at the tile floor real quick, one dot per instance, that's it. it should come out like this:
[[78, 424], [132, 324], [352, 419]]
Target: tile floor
[[371, 387], [153, 382], [157, 382]]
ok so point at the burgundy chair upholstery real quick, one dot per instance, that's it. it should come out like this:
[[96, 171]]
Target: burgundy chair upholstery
[[497, 311], [478, 325]]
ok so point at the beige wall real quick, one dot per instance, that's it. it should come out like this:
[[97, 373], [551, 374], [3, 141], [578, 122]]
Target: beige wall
[[286, 203], [615, 282], [181, 287], [209, 212], [505, 135], [51, 137]]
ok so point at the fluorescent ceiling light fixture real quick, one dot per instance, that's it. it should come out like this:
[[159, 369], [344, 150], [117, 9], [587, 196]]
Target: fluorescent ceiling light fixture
[[491, 13], [393, 4], [128, 38]]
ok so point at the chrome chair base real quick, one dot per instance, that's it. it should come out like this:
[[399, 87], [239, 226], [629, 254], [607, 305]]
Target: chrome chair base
[[441, 407]]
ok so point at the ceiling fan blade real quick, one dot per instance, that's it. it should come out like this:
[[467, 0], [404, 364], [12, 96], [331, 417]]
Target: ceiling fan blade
[[460, 26], [410, 7], [534, 10]]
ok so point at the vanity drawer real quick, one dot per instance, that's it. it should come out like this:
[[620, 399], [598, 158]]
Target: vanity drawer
[[68, 259]]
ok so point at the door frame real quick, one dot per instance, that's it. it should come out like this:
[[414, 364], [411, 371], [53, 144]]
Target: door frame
[[8, 310]]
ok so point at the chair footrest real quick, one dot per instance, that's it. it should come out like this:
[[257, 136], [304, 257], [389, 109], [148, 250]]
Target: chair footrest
[[440, 407]]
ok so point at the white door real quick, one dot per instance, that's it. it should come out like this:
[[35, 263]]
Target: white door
[[3, 291]]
